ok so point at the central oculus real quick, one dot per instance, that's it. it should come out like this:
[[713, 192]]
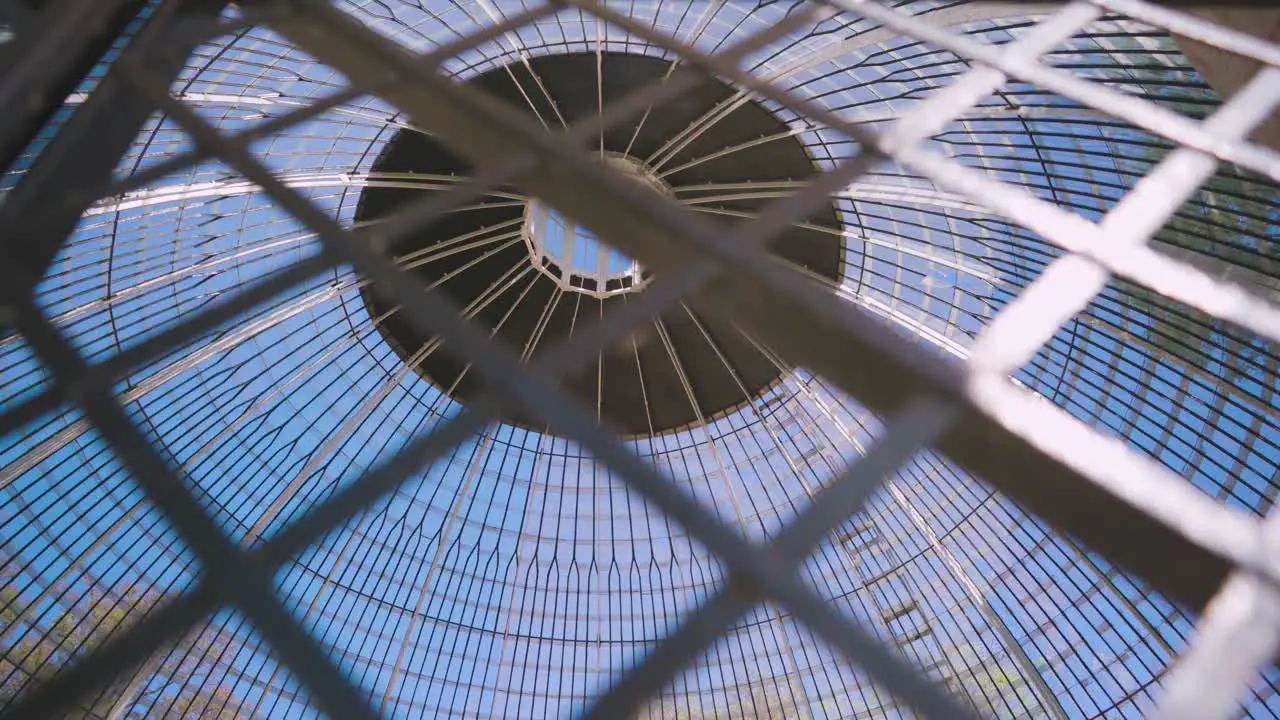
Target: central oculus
[[573, 256], [532, 277]]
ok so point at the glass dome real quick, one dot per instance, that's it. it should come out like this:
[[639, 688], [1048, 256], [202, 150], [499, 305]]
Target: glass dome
[[516, 576]]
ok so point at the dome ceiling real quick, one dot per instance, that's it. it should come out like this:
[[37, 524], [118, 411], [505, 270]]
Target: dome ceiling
[[515, 576]]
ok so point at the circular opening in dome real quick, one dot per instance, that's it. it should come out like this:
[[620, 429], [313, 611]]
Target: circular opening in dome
[[532, 276], [573, 256]]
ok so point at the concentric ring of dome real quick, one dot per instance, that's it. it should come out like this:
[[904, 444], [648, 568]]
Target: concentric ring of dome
[[687, 366]]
